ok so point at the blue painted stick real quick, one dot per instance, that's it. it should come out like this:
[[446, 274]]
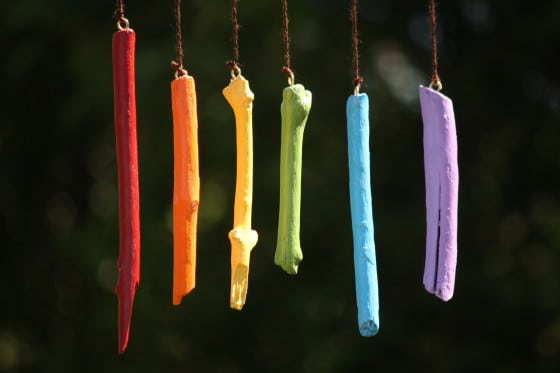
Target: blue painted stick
[[442, 190], [365, 267]]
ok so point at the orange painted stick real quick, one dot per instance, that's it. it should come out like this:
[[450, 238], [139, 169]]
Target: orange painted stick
[[186, 188]]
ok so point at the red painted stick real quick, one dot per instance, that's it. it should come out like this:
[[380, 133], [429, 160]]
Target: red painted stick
[[127, 160]]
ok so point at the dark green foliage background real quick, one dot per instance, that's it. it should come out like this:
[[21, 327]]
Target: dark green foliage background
[[58, 202]]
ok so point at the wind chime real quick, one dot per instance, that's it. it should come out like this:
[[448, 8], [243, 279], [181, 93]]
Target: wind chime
[[243, 238], [365, 265], [295, 107], [124, 40], [442, 180], [186, 181], [440, 161]]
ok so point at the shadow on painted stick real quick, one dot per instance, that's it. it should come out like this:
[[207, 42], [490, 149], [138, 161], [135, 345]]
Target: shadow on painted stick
[[442, 190], [295, 108], [243, 239]]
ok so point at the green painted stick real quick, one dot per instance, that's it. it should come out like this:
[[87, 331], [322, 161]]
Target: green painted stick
[[295, 108]]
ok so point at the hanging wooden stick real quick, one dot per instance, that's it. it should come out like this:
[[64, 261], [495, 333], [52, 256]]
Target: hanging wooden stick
[[243, 238], [442, 181], [295, 108], [127, 160], [186, 187], [365, 264]]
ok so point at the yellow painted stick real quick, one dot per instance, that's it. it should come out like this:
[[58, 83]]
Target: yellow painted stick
[[242, 237]]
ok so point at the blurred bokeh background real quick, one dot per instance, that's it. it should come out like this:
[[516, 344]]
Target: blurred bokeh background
[[58, 189]]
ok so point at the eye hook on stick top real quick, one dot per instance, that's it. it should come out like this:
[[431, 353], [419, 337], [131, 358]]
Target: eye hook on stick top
[[179, 69], [291, 77], [235, 69], [436, 84], [357, 84], [122, 21]]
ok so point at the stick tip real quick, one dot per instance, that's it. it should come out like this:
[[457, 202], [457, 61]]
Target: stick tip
[[289, 263], [123, 341], [442, 292], [178, 295], [368, 328], [239, 286], [289, 268]]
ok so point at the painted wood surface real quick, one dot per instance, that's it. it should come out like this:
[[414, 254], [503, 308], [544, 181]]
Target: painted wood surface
[[186, 185], [243, 238], [442, 191], [365, 264], [127, 161], [295, 108]]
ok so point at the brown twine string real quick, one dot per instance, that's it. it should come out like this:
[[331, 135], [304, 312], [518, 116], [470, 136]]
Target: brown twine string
[[178, 63], [234, 64], [436, 81], [122, 22], [357, 81], [287, 68], [119, 12]]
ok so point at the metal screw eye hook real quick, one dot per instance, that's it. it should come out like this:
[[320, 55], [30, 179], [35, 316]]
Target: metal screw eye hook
[[122, 23], [235, 72], [436, 84]]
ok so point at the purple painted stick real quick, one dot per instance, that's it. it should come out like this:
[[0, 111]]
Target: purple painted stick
[[442, 190]]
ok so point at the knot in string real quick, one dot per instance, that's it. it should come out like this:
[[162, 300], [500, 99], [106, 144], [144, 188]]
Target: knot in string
[[235, 69], [179, 69], [357, 84]]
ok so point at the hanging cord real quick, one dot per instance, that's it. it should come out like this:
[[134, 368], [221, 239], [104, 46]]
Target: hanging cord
[[287, 68], [122, 22], [357, 82], [436, 81], [178, 63], [234, 64]]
